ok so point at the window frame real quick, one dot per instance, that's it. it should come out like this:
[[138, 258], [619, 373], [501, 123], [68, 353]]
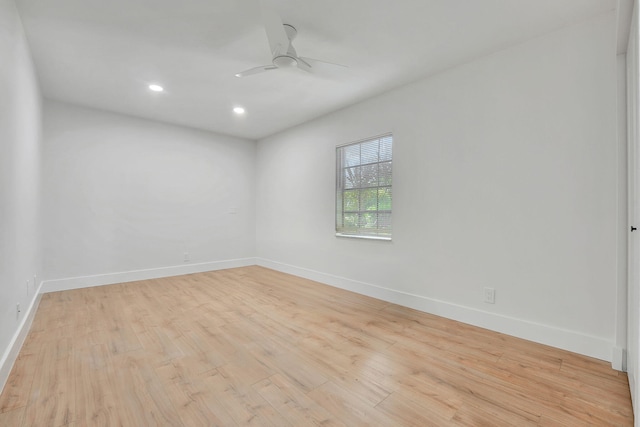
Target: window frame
[[342, 189]]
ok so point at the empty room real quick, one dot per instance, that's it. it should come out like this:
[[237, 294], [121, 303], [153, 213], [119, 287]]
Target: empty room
[[292, 213]]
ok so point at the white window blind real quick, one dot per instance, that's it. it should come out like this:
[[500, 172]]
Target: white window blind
[[363, 188]]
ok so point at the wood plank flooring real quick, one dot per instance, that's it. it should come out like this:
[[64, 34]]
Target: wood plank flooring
[[251, 346]]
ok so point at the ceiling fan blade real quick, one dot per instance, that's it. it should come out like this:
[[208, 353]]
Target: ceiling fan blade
[[304, 65], [256, 70], [311, 63], [278, 40]]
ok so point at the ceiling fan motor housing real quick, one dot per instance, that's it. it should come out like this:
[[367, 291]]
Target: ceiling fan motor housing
[[285, 61], [289, 59]]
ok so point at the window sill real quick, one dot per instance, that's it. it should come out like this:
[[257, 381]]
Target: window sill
[[356, 236]]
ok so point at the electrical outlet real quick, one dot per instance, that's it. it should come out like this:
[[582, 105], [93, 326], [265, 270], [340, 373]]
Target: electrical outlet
[[489, 295], [187, 258]]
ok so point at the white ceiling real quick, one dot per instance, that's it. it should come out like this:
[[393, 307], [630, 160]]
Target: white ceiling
[[104, 53]]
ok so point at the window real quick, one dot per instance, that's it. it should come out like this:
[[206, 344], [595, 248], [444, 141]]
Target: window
[[363, 188]]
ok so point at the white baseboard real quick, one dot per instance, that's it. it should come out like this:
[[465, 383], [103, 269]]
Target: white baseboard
[[619, 359], [544, 334], [11, 354], [134, 275]]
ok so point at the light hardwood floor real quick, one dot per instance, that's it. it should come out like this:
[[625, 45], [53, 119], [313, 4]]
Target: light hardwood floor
[[252, 346]]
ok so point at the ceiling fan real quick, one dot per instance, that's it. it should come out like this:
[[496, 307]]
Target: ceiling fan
[[283, 53]]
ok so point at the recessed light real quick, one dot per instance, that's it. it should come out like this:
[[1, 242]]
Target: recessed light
[[238, 110], [156, 88]]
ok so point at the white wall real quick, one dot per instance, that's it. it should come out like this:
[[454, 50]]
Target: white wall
[[505, 175], [633, 104], [20, 129], [619, 354], [125, 198]]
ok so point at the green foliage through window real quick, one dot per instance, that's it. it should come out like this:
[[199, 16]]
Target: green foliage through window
[[364, 187]]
